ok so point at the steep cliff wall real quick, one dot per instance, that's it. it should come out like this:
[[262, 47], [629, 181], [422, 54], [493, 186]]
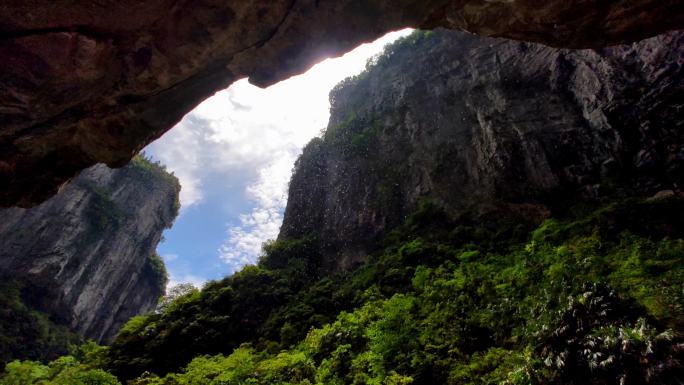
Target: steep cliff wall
[[88, 253], [89, 82], [483, 126]]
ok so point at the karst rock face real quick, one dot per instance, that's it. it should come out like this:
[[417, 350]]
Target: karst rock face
[[489, 128], [85, 82], [88, 252]]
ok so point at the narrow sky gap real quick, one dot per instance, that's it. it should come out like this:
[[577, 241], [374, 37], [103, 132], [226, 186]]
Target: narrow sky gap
[[233, 155]]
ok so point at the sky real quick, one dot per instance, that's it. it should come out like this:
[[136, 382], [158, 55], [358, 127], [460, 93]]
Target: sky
[[233, 155]]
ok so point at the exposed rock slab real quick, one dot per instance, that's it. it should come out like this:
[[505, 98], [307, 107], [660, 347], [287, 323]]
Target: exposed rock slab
[[86, 251], [89, 82], [484, 126]]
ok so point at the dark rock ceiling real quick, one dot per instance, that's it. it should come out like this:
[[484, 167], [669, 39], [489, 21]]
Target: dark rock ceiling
[[84, 82]]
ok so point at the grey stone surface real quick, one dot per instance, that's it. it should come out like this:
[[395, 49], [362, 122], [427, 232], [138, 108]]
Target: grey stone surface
[[86, 250], [485, 125]]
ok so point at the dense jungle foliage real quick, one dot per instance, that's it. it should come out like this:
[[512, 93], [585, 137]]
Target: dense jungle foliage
[[26, 332], [594, 297]]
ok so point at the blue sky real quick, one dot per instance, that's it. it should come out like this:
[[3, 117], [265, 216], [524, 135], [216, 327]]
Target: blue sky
[[233, 155]]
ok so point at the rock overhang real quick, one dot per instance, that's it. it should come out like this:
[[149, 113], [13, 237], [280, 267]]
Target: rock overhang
[[85, 83]]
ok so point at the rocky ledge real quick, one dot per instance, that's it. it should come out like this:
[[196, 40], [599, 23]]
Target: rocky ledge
[[89, 82]]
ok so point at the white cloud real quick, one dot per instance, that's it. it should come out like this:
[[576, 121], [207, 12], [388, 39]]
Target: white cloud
[[180, 152], [195, 281], [270, 189], [169, 257], [243, 243]]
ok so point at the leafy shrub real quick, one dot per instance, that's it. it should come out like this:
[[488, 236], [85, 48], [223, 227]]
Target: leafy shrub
[[155, 267], [582, 300], [65, 370]]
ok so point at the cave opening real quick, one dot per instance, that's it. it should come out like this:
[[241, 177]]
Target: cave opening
[[233, 155]]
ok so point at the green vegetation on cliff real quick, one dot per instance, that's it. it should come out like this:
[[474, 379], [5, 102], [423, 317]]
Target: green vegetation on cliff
[[592, 298], [155, 268], [155, 169]]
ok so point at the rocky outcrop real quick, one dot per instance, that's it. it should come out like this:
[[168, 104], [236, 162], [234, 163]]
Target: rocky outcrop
[[88, 253], [89, 82], [486, 125]]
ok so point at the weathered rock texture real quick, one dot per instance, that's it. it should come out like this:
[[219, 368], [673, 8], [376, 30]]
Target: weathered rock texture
[[88, 251], [88, 82], [487, 125]]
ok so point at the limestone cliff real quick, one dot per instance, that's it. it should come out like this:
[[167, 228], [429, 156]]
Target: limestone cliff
[[88, 253], [484, 125], [86, 82]]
